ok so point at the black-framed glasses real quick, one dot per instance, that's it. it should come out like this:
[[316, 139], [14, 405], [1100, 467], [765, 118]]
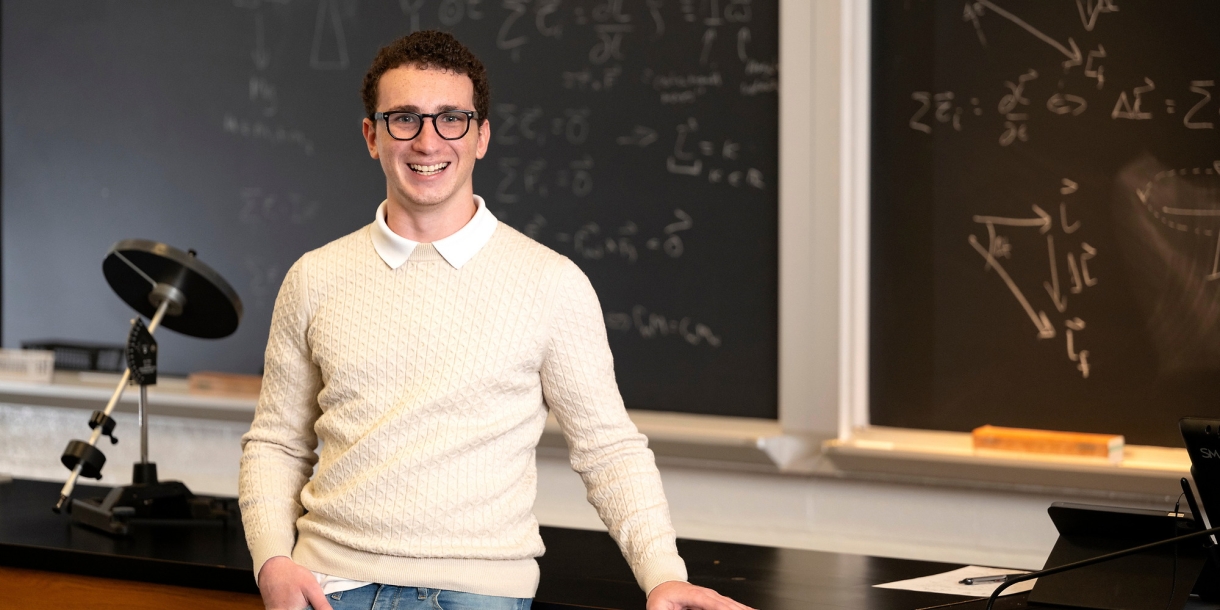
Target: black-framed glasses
[[450, 125]]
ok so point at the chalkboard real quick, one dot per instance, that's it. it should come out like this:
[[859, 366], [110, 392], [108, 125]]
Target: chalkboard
[[1045, 215], [637, 137]]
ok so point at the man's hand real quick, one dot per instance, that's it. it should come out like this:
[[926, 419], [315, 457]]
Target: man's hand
[[678, 595], [288, 586]]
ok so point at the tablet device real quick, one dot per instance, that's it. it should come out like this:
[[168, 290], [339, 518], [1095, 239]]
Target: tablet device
[[1202, 438], [1153, 580]]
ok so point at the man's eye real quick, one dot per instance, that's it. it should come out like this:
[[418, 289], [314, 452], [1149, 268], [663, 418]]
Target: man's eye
[[402, 118]]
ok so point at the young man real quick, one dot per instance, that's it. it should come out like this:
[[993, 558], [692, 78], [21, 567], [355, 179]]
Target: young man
[[424, 351]]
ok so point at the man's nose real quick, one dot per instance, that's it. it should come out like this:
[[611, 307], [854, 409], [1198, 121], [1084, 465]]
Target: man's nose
[[428, 139]]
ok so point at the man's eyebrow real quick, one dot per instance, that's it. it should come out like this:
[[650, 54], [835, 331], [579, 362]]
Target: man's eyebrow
[[415, 109]]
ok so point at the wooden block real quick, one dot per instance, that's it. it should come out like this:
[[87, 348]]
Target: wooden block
[[1049, 442], [224, 384]]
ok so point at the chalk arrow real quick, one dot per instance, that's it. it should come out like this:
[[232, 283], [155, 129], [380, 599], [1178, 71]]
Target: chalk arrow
[[1052, 287], [260, 56], [1068, 187], [640, 136], [1075, 58], [1043, 220], [1143, 193], [1041, 322]]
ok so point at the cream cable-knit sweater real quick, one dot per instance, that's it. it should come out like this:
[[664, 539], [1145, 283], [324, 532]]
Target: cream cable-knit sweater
[[428, 388]]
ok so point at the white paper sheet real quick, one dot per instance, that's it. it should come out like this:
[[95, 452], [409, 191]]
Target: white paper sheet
[[950, 582]]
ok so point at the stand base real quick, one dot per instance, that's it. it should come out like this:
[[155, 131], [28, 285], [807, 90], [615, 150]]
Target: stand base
[[152, 504]]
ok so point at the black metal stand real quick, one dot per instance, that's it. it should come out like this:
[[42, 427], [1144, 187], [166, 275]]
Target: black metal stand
[[150, 504], [171, 286]]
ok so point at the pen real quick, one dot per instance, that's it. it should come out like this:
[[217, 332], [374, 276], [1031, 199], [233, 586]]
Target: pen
[[982, 580]]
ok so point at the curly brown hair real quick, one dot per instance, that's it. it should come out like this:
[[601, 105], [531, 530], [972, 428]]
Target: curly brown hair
[[428, 49]]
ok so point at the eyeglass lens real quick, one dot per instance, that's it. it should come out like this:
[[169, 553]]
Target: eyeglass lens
[[406, 125]]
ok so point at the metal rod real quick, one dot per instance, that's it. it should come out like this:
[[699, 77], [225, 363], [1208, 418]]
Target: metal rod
[[156, 319], [70, 484], [143, 408]]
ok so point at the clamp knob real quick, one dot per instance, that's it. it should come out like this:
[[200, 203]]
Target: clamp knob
[[106, 422]]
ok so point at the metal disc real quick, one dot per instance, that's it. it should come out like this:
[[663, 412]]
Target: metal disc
[[205, 305]]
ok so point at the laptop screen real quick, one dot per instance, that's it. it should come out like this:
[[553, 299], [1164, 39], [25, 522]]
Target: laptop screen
[[1202, 438]]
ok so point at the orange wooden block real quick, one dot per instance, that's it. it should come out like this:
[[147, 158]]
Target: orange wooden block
[[1081, 444], [224, 384]]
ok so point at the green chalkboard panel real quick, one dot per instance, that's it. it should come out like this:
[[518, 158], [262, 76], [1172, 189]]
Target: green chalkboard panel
[[638, 137]]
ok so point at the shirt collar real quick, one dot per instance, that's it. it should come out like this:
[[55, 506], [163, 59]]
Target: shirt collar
[[457, 249]]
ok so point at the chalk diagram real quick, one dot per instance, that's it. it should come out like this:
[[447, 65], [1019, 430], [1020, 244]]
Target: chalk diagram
[[1187, 206], [328, 51], [1076, 257], [1167, 220]]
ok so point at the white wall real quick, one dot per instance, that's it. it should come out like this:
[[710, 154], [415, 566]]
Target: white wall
[[864, 517]]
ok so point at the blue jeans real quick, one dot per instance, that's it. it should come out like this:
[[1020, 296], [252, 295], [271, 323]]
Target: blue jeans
[[391, 597]]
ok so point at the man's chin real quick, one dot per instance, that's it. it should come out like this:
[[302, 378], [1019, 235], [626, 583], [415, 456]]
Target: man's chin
[[425, 200]]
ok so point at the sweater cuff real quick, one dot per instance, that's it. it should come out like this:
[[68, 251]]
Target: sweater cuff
[[659, 569], [269, 546]]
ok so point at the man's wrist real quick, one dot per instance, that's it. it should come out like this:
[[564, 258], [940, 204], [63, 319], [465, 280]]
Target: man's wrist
[[654, 588], [270, 560]]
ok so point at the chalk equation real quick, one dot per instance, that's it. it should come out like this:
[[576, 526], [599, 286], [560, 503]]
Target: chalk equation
[[1059, 94], [626, 242], [267, 132], [653, 325], [1073, 254], [615, 26], [539, 178], [260, 206], [519, 125], [715, 159]]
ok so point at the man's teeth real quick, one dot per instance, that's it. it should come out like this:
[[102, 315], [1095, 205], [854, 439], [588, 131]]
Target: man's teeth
[[427, 170]]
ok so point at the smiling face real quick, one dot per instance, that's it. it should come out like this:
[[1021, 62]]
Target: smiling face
[[427, 173]]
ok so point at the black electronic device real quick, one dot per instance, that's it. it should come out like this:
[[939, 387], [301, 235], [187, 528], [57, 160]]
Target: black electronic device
[[1154, 579], [173, 287], [1136, 559], [1202, 437]]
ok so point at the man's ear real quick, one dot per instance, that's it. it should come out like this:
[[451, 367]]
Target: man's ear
[[370, 136], [484, 139]]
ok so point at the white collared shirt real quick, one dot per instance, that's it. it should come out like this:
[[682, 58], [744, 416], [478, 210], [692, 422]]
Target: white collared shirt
[[457, 249]]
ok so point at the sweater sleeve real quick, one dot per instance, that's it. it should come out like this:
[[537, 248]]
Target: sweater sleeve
[[278, 452], [606, 449]]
